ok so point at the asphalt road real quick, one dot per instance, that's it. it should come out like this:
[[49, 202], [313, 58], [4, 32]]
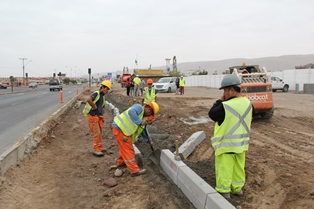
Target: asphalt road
[[24, 109]]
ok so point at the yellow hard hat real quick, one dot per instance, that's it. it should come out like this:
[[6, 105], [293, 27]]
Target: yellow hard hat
[[106, 83], [154, 106]]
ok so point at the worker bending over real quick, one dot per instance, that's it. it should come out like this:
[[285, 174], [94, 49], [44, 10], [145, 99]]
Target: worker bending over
[[125, 128]]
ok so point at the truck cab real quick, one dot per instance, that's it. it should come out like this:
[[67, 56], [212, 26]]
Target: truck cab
[[257, 87]]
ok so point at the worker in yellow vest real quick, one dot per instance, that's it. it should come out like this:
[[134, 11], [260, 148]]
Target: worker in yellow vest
[[150, 92], [94, 110], [182, 84], [137, 83], [126, 128], [233, 115]]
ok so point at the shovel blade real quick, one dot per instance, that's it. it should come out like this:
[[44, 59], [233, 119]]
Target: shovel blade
[[154, 159], [155, 155]]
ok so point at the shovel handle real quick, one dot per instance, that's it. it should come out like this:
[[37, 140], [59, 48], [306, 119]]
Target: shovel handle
[[177, 148]]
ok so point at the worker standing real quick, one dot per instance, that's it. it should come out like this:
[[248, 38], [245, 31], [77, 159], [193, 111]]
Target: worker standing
[[182, 84], [150, 92], [233, 115], [142, 85], [94, 110], [125, 128], [137, 82]]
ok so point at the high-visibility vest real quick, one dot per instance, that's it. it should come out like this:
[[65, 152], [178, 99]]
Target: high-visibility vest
[[88, 107], [233, 135], [181, 83], [127, 126], [149, 97], [137, 81]]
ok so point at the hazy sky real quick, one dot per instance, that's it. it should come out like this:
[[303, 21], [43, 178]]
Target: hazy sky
[[108, 35]]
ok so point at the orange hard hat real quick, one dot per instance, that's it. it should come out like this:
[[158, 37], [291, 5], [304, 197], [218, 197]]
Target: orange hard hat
[[154, 106], [149, 81]]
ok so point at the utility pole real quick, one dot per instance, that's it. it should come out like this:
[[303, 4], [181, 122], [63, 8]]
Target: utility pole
[[23, 70]]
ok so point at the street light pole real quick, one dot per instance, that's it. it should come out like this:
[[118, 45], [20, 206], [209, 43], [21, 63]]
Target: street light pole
[[70, 69], [23, 70]]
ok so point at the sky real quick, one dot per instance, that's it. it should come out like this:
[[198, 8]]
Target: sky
[[70, 36]]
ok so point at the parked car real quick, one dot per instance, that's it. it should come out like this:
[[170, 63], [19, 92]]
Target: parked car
[[32, 85], [3, 85], [279, 84], [166, 84], [55, 84]]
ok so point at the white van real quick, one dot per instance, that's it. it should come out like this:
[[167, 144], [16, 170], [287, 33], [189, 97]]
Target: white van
[[166, 84]]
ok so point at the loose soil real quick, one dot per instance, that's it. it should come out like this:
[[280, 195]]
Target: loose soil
[[63, 173]]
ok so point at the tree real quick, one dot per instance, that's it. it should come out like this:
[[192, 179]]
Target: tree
[[66, 81]]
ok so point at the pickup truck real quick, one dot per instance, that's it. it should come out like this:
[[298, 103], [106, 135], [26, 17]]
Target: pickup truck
[[55, 84], [279, 84]]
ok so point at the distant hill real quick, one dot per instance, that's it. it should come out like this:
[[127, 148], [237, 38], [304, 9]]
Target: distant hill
[[271, 63]]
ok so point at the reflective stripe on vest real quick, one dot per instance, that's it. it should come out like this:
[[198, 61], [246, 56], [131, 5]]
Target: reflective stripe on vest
[[151, 97], [126, 124], [233, 135], [88, 107]]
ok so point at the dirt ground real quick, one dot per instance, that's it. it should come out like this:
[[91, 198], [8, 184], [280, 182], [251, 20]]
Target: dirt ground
[[63, 173]]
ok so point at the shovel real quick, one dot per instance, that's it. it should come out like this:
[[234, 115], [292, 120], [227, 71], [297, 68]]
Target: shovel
[[155, 155]]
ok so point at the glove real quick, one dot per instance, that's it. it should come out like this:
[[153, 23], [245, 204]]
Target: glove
[[144, 122]]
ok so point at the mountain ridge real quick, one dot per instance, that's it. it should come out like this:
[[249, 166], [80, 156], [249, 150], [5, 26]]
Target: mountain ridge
[[272, 63]]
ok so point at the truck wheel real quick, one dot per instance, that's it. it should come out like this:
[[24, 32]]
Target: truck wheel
[[285, 88], [267, 114]]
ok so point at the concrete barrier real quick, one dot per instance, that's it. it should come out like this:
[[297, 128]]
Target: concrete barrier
[[201, 194], [191, 143]]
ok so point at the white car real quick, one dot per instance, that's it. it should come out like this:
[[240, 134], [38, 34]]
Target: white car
[[166, 84], [279, 84]]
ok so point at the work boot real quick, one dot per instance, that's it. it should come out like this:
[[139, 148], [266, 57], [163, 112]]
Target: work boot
[[141, 172], [98, 153], [239, 193], [225, 195]]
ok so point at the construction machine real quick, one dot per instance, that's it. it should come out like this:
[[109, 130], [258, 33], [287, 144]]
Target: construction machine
[[124, 77], [257, 87]]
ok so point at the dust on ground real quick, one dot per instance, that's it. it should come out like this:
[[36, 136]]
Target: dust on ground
[[63, 173]]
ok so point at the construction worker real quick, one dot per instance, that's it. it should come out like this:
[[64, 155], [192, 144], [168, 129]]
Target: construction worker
[[125, 128], [150, 92], [137, 83], [233, 115], [182, 84], [94, 110]]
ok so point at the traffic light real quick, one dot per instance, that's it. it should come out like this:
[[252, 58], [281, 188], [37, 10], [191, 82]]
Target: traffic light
[[54, 75], [26, 75], [89, 71], [59, 74]]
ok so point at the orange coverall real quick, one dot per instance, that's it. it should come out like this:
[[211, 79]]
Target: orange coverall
[[96, 124], [128, 151]]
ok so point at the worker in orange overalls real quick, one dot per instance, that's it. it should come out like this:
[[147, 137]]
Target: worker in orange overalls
[[125, 128], [94, 110]]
